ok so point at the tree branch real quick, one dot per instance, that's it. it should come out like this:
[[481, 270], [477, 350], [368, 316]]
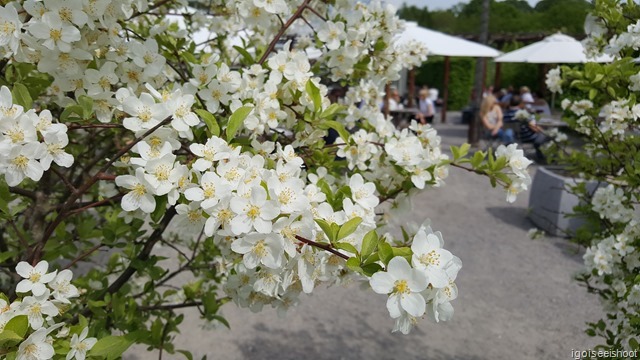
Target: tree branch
[[144, 253], [322, 246], [283, 29], [37, 251], [84, 255], [19, 191]]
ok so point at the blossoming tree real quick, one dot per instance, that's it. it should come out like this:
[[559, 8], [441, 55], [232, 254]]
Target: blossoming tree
[[119, 135], [601, 105]]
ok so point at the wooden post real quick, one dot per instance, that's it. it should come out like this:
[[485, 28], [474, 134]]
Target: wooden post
[[484, 73], [496, 80], [542, 76], [411, 86], [445, 95]]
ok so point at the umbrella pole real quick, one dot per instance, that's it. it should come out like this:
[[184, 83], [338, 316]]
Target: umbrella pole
[[445, 96], [411, 86], [387, 89]]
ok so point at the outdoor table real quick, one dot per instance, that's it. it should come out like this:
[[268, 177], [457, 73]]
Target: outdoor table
[[402, 115], [550, 122]]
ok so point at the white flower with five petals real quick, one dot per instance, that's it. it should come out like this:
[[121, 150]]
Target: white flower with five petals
[[403, 285]]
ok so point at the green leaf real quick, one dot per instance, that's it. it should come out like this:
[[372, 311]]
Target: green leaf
[[402, 251], [19, 325], [331, 111], [456, 152], [111, 347], [354, 264], [9, 338], [385, 252], [335, 228], [346, 247], [344, 134], [349, 228], [73, 109], [369, 244], [592, 94], [245, 55], [370, 269], [4, 256], [21, 96], [464, 149], [314, 94], [210, 121], [326, 227], [161, 208], [477, 158], [236, 120], [186, 354], [86, 103], [222, 320], [373, 258]]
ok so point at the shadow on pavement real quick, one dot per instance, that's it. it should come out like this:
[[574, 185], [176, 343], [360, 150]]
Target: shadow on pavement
[[511, 215]]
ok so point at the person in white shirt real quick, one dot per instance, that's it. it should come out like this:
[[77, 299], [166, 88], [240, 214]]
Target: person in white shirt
[[425, 107], [394, 100], [525, 96]]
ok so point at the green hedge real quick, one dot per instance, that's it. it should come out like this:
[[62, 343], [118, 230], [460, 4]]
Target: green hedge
[[431, 73]]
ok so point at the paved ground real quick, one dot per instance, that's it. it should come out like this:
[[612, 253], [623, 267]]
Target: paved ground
[[517, 297]]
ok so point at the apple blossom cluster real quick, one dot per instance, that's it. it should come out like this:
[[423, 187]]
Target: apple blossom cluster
[[255, 211], [231, 135], [612, 204], [602, 105], [609, 260], [29, 142], [423, 285], [518, 164], [554, 80], [617, 116], [352, 34], [43, 296]]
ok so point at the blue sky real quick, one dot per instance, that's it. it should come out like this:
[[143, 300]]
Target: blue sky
[[436, 4]]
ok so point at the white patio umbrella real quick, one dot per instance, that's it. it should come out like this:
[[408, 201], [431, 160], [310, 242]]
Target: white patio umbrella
[[445, 45], [554, 49]]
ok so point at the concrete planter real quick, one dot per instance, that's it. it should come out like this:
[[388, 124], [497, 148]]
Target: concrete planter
[[550, 203]]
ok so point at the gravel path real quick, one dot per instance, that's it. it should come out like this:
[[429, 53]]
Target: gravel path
[[517, 297]]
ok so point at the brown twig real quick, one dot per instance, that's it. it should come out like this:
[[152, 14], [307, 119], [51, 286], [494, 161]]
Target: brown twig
[[284, 28], [19, 191], [96, 204], [316, 12], [322, 246], [84, 255], [170, 306], [64, 179], [95, 126]]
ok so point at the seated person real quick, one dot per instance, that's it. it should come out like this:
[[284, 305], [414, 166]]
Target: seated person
[[426, 109], [526, 96], [394, 100], [506, 97], [491, 115], [529, 131]]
